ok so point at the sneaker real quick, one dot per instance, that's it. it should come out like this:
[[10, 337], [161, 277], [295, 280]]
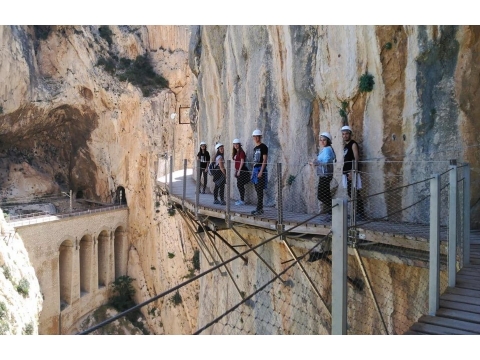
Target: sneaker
[[257, 212], [223, 202], [240, 202], [216, 201]]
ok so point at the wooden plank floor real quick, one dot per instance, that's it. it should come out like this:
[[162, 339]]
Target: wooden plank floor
[[413, 236], [459, 311]]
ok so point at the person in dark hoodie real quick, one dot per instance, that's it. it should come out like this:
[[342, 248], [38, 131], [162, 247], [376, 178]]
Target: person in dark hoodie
[[204, 157], [259, 175]]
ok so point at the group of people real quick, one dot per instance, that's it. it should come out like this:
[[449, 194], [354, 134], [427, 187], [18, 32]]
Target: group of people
[[324, 164], [258, 175]]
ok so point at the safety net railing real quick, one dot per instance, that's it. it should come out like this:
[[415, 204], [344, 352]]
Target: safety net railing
[[376, 272]]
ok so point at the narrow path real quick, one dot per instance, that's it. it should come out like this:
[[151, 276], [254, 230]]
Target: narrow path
[[459, 312]]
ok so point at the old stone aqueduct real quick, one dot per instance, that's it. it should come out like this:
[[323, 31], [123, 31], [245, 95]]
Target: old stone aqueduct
[[76, 259]]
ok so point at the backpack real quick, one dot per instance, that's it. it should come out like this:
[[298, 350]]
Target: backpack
[[212, 168]]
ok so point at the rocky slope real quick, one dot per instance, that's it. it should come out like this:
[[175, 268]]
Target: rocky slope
[[69, 121]]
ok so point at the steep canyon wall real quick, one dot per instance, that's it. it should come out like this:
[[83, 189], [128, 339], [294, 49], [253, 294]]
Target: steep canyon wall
[[66, 122]]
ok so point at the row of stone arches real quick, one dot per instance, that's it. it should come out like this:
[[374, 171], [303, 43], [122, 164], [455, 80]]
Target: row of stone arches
[[91, 263]]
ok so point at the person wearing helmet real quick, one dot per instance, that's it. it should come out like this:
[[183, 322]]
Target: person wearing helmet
[[219, 176], [241, 170], [324, 165], [204, 157], [351, 154], [259, 175]]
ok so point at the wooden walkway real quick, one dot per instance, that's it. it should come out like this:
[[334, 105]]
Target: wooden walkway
[[459, 312], [411, 236]]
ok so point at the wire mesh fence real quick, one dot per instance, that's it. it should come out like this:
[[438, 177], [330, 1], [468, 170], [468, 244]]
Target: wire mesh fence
[[285, 287]]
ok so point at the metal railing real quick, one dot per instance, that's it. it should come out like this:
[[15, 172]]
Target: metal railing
[[44, 217], [372, 274]]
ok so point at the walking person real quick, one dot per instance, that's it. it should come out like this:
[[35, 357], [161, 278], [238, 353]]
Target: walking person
[[259, 175], [204, 157], [324, 165], [351, 153], [219, 176], [241, 170]]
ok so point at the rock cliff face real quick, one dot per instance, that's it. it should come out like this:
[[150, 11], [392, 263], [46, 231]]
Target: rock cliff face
[[292, 81], [67, 121]]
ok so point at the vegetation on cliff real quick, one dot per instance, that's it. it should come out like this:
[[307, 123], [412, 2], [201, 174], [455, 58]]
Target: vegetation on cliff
[[138, 72]]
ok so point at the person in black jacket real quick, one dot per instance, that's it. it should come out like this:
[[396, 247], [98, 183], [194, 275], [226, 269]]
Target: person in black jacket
[[204, 157], [351, 153], [259, 176]]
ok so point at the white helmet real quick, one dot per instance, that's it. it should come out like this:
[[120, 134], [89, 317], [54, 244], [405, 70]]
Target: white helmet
[[327, 135], [203, 143], [237, 141], [257, 133], [218, 145], [346, 128]]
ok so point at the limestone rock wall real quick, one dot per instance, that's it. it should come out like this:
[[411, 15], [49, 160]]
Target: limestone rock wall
[[292, 81], [20, 296], [66, 123]]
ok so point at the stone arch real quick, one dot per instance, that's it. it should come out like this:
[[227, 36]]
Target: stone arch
[[120, 250], [86, 264], [65, 272], [120, 196], [103, 257]]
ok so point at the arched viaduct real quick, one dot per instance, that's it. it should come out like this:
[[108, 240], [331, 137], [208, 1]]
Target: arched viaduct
[[76, 259]]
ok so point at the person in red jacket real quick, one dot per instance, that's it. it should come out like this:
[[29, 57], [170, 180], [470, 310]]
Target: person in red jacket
[[241, 170]]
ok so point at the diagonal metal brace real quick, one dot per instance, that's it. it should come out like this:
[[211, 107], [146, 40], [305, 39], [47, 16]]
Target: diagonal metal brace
[[256, 253], [307, 276], [245, 260]]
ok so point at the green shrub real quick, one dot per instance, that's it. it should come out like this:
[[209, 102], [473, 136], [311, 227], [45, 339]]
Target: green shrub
[[171, 255], [42, 31], [139, 72], [108, 65], [388, 46], [1, 109], [106, 34], [3, 310], [344, 112], [366, 82], [291, 179], [4, 327], [123, 293], [6, 272], [28, 329], [176, 299], [23, 287], [196, 260]]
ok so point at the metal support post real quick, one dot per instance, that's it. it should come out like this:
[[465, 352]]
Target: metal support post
[[466, 215], [354, 199], [171, 174], [197, 191], [452, 224], [184, 182], [434, 265], [227, 180], [280, 225], [71, 200], [165, 173], [339, 267]]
